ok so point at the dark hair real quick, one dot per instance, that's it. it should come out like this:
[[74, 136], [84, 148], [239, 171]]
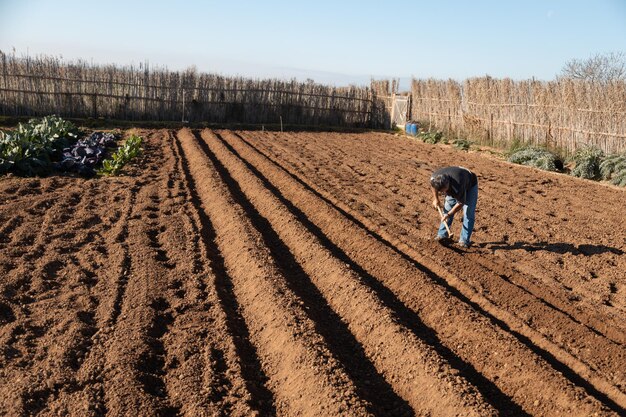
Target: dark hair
[[439, 182]]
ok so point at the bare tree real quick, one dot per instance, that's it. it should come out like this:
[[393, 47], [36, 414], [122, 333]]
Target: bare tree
[[600, 67]]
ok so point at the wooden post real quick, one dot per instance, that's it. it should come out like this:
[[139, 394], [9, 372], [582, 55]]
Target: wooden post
[[70, 102], [510, 131], [513, 131], [409, 108], [491, 129], [393, 109], [94, 110]]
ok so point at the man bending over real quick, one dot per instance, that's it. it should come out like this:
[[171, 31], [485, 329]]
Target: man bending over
[[460, 187]]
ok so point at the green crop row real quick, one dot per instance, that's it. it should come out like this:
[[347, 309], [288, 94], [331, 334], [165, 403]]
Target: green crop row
[[536, 157], [613, 168], [438, 137], [126, 152], [590, 162]]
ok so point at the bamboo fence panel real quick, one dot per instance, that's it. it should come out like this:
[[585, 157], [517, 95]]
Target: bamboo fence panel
[[562, 114], [46, 85]]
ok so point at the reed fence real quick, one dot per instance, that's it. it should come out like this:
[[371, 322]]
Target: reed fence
[[563, 114], [37, 86]]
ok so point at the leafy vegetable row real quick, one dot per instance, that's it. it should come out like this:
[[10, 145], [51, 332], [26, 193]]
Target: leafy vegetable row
[[42, 145], [29, 149], [130, 149], [590, 162]]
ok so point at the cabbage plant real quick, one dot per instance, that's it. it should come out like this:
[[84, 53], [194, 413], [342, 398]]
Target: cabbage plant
[[29, 148], [535, 157], [613, 168], [588, 162]]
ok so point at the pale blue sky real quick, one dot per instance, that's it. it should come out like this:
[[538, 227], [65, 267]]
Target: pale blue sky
[[337, 42]]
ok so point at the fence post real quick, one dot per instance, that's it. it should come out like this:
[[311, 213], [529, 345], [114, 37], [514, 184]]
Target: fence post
[[94, 110], [393, 109], [409, 108], [510, 131], [491, 129]]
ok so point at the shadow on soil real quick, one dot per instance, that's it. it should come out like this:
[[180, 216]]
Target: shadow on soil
[[262, 397], [560, 248], [369, 383]]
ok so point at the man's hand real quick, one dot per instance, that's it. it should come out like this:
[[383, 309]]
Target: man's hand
[[436, 204]]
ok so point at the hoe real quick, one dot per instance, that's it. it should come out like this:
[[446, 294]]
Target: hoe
[[445, 223]]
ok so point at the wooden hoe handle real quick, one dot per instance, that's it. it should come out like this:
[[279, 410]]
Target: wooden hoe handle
[[444, 223]]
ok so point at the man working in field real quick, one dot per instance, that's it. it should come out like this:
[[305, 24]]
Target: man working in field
[[460, 187]]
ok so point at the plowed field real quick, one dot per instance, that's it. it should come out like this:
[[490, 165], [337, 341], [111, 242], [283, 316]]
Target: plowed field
[[259, 273]]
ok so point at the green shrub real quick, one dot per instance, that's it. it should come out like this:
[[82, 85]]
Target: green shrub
[[123, 155], [613, 168], [430, 137], [588, 162], [612, 165], [462, 144], [619, 179], [536, 157]]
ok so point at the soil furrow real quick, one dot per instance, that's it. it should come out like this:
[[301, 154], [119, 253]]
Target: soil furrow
[[49, 289], [9, 226], [134, 363], [370, 384], [99, 263], [562, 328], [386, 342], [514, 291], [232, 324], [488, 362], [380, 199], [202, 375], [304, 376]]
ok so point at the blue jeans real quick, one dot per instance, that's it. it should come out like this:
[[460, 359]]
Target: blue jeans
[[469, 215]]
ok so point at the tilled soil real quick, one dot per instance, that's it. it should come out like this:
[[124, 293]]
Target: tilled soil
[[260, 273]]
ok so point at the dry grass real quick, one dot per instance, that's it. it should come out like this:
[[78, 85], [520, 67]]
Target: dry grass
[[47, 85], [562, 114]]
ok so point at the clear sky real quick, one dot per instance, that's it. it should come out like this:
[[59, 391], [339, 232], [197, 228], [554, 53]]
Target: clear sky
[[337, 42]]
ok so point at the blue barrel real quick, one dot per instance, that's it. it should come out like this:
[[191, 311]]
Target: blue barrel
[[407, 128], [413, 129]]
